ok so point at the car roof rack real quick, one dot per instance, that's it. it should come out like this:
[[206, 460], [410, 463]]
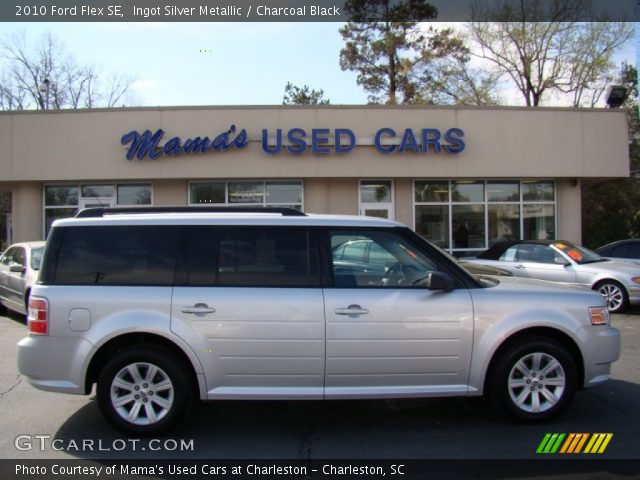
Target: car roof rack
[[96, 212]]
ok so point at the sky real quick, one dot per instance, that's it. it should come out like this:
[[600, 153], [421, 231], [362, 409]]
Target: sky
[[217, 63]]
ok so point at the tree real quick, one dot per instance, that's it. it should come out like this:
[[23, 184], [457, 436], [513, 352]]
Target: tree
[[294, 95], [611, 208], [70, 85], [542, 48], [390, 51]]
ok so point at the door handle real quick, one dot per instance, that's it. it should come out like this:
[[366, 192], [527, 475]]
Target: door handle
[[199, 309], [519, 267], [352, 310]]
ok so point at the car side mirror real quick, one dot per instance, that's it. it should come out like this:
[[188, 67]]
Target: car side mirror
[[441, 281], [17, 268]]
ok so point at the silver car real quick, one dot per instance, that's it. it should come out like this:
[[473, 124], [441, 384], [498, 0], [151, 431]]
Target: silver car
[[19, 266], [566, 262], [159, 308]]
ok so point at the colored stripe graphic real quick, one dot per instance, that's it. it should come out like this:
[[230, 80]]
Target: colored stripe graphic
[[596, 443]]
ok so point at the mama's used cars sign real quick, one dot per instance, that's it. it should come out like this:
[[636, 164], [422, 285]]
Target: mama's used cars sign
[[295, 141]]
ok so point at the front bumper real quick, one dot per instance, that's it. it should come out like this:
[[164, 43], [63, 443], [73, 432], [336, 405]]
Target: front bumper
[[601, 347], [55, 364]]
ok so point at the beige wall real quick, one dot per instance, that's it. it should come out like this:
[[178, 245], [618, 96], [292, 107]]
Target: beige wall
[[170, 192], [27, 211], [569, 210], [500, 142]]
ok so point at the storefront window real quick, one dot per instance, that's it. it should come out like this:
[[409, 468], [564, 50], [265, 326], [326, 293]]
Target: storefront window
[[134, 194], [504, 223], [61, 195], [207, 193], [467, 191], [503, 192], [432, 222], [539, 222], [467, 226], [432, 191], [97, 191], [279, 193], [284, 192], [63, 201], [246, 192], [537, 191], [5, 220], [481, 213]]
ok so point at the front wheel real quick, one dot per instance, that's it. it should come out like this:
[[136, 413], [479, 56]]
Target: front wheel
[[144, 391], [614, 294], [534, 379]]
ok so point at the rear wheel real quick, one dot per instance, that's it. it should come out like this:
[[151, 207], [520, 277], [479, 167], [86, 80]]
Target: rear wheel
[[614, 294], [144, 391], [534, 379]]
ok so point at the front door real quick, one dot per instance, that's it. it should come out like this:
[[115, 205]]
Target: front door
[[387, 334]]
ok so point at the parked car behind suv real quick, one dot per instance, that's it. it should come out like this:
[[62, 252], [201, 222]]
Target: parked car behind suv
[[159, 308], [19, 266]]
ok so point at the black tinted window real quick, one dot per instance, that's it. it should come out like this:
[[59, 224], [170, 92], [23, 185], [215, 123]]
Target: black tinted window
[[117, 256], [261, 257], [634, 250]]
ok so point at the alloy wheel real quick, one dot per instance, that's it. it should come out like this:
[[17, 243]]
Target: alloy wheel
[[613, 296], [536, 382], [142, 393]]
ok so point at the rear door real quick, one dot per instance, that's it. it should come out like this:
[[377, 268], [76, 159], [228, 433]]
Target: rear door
[[390, 335], [249, 301]]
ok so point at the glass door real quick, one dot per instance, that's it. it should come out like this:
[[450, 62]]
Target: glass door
[[376, 198]]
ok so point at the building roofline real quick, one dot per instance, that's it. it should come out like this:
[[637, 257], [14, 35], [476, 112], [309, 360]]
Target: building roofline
[[308, 107]]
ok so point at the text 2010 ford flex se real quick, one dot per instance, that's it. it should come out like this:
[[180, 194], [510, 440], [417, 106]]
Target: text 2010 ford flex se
[[158, 308]]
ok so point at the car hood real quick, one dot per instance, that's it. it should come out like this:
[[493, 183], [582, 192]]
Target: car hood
[[622, 268]]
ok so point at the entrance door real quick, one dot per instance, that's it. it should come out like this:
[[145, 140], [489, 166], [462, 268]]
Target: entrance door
[[376, 198]]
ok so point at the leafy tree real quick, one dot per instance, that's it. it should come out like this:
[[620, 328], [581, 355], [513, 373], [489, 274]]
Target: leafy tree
[[294, 95], [391, 52], [70, 85], [611, 208], [542, 48]]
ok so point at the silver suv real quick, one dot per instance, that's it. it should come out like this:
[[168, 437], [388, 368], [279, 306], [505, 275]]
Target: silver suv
[[158, 308]]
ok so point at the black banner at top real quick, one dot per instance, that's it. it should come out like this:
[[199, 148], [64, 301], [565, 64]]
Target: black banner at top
[[316, 10]]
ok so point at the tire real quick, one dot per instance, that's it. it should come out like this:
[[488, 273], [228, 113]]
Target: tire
[[144, 391], [614, 294], [534, 380]]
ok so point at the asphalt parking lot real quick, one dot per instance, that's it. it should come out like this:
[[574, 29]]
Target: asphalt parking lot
[[41, 425]]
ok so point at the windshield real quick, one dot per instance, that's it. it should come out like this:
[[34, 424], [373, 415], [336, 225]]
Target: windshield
[[578, 254]]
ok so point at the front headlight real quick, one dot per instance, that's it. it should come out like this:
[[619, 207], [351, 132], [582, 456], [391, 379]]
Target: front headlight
[[599, 315]]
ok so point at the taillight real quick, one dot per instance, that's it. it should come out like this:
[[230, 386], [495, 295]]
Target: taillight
[[38, 317]]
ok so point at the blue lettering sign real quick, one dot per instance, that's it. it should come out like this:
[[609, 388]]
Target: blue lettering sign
[[344, 147], [296, 137], [378, 140], [456, 144], [147, 144], [265, 141]]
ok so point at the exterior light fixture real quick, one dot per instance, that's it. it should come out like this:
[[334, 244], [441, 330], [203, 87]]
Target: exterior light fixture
[[616, 95]]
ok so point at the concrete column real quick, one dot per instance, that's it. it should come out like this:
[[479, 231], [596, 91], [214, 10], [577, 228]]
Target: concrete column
[[569, 210]]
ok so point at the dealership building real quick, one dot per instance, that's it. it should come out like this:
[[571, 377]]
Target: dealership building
[[462, 177]]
